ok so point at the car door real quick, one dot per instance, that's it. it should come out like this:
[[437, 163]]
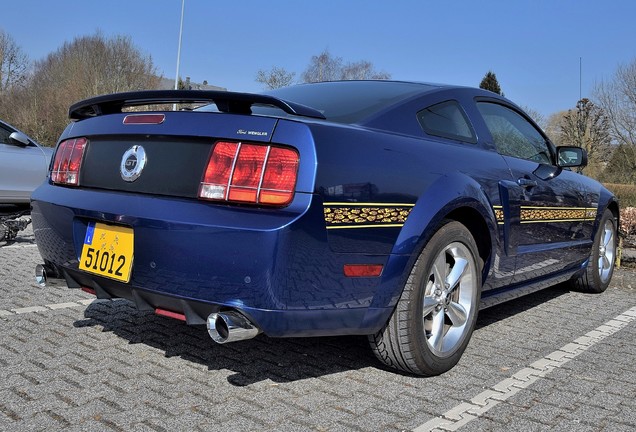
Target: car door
[[550, 214], [448, 120], [22, 168]]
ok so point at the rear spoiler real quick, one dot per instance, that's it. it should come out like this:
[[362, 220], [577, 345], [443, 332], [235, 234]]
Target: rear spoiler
[[231, 102]]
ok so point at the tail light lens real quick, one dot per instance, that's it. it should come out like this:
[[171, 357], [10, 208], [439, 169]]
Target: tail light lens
[[250, 173], [67, 162]]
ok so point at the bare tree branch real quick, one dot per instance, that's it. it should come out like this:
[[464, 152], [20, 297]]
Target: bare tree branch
[[617, 97], [325, 67], [14, 63], [275, 78]]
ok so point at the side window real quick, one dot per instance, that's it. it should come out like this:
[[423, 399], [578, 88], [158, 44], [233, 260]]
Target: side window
[[446, 119], [513, 135]]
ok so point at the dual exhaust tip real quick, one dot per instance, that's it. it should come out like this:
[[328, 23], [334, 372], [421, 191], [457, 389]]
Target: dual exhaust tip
[[223, 327]]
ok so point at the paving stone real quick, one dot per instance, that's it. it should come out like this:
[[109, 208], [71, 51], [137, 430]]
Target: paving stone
[[69, 362]]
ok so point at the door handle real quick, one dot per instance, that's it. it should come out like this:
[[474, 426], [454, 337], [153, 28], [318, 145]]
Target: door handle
[[526, 183]]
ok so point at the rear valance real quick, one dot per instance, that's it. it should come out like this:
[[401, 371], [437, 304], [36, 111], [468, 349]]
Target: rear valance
[[239, 103]]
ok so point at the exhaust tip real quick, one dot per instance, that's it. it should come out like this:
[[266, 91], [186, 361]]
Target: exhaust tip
[[40, 275], [230, 326], [47, 276]]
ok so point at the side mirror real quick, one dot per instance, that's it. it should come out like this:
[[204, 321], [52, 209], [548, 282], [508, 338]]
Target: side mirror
[[19, 138], [569, 156]]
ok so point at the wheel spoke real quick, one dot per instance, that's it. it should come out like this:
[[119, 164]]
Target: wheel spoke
[[457, 314], [437, 331], [604, 263], [456, 273], [430, 303], [608, 237], [439, 269]]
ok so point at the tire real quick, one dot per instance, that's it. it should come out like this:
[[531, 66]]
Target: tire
[[600, 268], [436, 314]]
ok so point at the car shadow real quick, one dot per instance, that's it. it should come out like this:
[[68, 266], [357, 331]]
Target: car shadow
[[519, 305], [279, 359]]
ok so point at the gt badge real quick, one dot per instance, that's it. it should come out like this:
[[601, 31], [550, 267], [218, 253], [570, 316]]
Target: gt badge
[[132, 163]]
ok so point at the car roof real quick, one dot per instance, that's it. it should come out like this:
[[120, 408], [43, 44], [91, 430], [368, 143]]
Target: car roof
[[352, 102]]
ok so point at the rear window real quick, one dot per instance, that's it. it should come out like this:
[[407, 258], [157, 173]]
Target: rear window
[[447, 119], [346, 101]]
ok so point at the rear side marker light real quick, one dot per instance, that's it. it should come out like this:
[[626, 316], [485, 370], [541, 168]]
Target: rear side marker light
[[363, 270], [250, 173], [68, 161], [144, 119]]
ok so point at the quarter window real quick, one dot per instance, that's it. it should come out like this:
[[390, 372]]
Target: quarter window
[[513, 135], [446, 119], [4, 135]]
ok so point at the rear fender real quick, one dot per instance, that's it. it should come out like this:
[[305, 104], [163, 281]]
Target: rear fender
[[447, 195]]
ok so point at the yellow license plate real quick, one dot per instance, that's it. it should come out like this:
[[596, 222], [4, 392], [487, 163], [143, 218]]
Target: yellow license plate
[[108, 251]]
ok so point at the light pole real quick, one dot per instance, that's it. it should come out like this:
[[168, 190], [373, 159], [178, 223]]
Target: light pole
[[176, 78]]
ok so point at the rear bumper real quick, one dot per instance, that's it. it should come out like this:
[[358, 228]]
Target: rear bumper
[[196, 258]]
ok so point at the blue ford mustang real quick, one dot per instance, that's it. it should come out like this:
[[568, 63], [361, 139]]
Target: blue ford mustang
[[390, 209]]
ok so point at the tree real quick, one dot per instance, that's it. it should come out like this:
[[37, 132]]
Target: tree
[[621, 167], [362, 70], [14, 63], [325, 67], [617, 96], [535, 115], [489, 82], [553, 128], [275, 78], [588, 127], [88, 66]]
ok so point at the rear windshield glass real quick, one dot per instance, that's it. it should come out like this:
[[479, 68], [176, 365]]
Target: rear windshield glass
[[346, 101]]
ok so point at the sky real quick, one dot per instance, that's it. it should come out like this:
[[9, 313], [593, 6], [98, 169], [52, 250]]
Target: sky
[[545, 53]]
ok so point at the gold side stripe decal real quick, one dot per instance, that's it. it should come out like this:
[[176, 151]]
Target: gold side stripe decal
[[537, 214], [555, 214], [343, 215], [357, 204], [499, 214], [365, 226]]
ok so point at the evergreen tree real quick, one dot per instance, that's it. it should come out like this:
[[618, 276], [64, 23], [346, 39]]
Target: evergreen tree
[[621, 167], [489, 82]]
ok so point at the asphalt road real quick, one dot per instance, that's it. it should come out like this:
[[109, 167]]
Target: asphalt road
[[556, 360]]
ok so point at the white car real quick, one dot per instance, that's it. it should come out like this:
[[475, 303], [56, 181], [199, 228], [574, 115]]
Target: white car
[[24, 165]]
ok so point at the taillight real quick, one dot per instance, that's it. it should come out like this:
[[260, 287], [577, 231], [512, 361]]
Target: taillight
[[250, 173], [67, 162]]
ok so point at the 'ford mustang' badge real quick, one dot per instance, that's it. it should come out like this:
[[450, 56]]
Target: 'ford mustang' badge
[[132, 163]]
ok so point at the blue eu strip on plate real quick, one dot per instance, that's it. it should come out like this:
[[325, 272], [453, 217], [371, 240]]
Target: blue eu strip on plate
[[89, 233]]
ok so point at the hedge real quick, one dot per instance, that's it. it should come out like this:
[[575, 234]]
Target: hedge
[[626, 193]]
